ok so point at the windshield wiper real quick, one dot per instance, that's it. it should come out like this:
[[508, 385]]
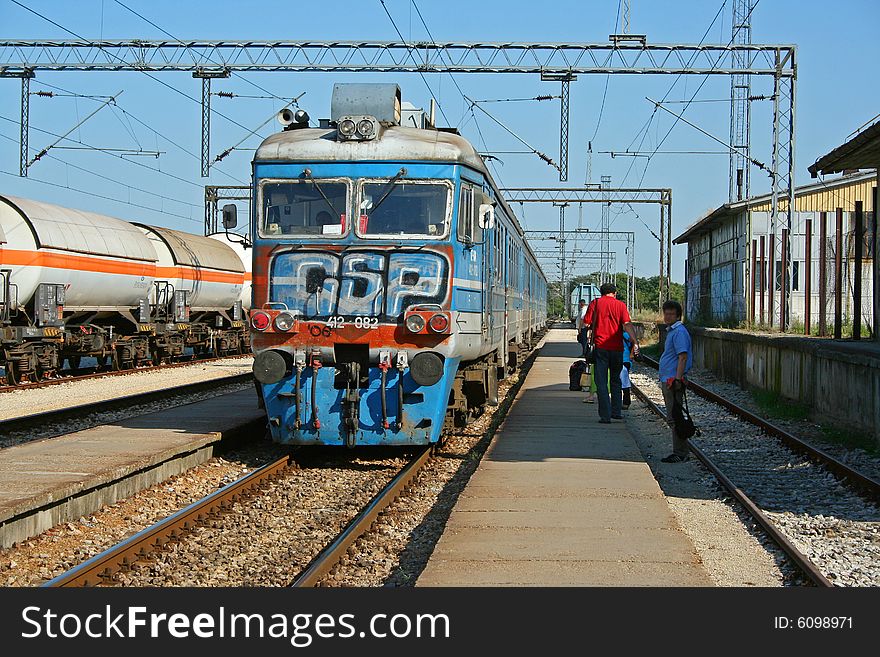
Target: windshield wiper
[[321, 192], [386, 191]]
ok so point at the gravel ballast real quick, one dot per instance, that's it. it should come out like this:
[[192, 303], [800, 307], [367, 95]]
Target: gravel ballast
[[38, 559], [27, 401]]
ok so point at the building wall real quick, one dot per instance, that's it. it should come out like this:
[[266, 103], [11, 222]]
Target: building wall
[[718, 276]]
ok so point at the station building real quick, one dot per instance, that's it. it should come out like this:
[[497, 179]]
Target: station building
[[725, 242]]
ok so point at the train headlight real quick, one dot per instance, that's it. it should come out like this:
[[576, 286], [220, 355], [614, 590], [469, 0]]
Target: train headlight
[[346, 128], [365, 128], [439, 323], [260, 321], [284, 321], [415, 323]]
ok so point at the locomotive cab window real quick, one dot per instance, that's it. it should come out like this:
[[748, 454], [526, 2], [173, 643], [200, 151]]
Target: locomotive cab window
[[404, 208], [303, 208]]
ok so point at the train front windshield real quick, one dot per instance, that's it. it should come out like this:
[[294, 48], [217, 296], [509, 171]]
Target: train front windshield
[[404, 208], [304, 208]]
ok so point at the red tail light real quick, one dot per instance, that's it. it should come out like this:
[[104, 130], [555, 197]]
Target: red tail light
[[260, 321], [439, 323]]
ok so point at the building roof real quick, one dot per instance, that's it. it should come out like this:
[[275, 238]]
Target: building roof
[[860, 152], [707, 222]]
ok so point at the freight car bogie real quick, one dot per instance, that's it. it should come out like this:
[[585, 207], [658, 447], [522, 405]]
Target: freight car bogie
[[30, 361]]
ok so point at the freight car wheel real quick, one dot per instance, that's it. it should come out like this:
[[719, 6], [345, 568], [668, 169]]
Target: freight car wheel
[[13, 378], [73, 362]]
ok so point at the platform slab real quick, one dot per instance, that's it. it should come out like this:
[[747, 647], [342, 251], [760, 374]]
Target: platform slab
[[561, 500], [45, 482]]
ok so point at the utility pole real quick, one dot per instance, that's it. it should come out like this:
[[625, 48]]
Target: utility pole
[[561, 241], [740, 104], [605, 244]]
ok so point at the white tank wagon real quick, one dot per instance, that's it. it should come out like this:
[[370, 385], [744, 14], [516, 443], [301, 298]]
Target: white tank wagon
[[244, 251], [68, 279], [198, 288], [76, 283]]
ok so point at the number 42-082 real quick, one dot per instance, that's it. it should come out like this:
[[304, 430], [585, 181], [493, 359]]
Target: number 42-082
[[359, 322]]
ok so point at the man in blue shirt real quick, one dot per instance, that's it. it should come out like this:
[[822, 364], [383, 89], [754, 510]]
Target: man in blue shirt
[[675, 362]]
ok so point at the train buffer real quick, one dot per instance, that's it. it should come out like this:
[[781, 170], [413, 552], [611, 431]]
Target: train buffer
[[560, 499]]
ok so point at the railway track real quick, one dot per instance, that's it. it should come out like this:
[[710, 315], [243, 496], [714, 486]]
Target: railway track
[[778, 536], [102, 568], [820, 512], [862, 483], [45, 418], [331, 555], [67, 378]]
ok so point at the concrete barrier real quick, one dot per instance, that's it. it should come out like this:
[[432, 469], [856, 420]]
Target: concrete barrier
[[839, 381]]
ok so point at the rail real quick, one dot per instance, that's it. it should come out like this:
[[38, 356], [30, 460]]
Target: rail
[[97, 375], [798, 557], [82, 410], [331, 555], [104, 565], [865, 485]]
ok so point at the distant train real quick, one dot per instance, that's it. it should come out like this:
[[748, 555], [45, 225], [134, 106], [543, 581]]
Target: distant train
[[77, 284], [393, 285], [585, 291]]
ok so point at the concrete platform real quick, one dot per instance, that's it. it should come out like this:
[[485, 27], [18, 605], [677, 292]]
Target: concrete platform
[[561, 500], [45, 482]]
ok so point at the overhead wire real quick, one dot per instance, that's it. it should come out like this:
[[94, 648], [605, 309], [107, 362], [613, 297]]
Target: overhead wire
[[469, 109], [222, 155], [94, 194], [173, 142], [607, 80], [112, 180], [516, 100], [180, 41], [412, 57], [644, 130], [534, 150], [95, 148], [696, 92]]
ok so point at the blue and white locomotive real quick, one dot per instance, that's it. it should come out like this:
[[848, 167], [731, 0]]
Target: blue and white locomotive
[[392, 284]]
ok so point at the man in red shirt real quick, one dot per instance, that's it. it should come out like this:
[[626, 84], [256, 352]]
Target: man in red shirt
[[608, 318]]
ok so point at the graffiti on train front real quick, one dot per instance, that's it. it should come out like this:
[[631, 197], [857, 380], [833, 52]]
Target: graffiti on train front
[[361, 284]]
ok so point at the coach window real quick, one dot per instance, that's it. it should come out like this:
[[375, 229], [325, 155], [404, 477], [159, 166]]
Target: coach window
[[496, 261], [303, 208], [468, 226]]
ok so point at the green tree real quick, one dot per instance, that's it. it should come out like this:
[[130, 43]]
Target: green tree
[[647, 291]]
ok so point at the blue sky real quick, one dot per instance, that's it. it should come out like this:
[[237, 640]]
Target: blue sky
[[836, 94]]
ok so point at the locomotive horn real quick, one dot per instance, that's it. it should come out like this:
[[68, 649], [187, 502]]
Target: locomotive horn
[[288, 117], [285, 117]]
